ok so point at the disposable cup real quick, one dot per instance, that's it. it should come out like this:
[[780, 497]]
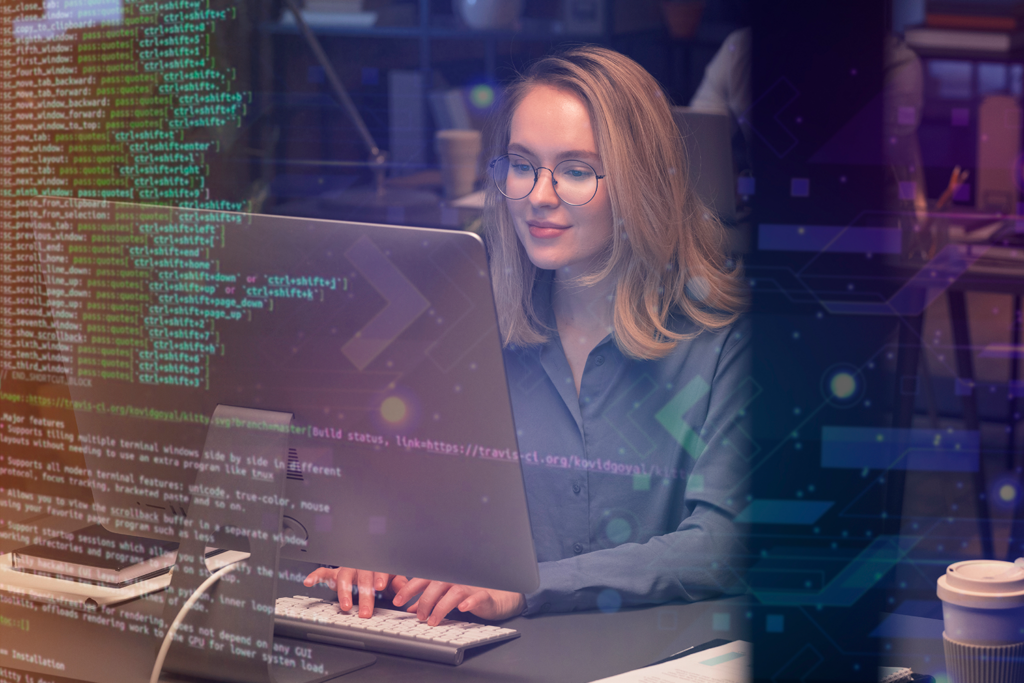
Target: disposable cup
[[459, 151], [983, 621]]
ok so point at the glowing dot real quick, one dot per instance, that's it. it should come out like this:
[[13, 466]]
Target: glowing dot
[[843, 385], [482, 96], [393, 409], [697, 288], [1007, 492], [619, 530]]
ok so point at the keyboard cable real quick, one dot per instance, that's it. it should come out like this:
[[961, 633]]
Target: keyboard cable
[[169, 638]]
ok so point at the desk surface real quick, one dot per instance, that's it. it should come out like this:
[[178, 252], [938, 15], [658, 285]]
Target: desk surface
[[556, 647]]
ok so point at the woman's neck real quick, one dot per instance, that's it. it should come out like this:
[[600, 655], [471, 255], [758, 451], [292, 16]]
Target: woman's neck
[[583, 306], [584, 316]]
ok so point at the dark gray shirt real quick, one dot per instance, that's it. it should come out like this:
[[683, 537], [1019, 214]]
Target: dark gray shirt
[[634, 484]]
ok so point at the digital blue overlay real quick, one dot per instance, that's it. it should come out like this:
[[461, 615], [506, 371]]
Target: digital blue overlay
[[766, 511], [929, 450], [829, 238]]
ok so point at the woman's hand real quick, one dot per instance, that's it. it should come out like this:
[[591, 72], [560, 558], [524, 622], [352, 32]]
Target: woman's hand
[[439, 598], [342, 579]]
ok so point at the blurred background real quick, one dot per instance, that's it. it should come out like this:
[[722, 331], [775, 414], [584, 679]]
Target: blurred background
[[413, 67], [865, 156]]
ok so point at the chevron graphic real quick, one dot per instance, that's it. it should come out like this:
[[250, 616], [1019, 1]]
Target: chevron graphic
[[405, 303], [671, 416]]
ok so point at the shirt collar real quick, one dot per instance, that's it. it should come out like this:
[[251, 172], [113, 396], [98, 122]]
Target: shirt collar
[[552, 355]]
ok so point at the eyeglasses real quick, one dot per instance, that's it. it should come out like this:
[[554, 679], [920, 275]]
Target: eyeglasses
[[574, 181]]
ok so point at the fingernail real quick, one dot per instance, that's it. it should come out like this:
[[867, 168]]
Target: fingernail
[[463, 607], [307, 582], [380, 584], [399, 600]]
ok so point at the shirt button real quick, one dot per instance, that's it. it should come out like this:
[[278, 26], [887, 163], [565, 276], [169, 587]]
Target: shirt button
[[599, 360], [575, 488], [577, 548]]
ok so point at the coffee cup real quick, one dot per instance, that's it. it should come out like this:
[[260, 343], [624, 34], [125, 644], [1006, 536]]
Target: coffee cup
[[459, 151], [983, 621]]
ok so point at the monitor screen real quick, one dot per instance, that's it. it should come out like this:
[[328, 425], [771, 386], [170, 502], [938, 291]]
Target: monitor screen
[[380, 341]]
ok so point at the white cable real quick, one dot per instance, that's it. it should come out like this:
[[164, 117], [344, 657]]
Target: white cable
[[169, 638]]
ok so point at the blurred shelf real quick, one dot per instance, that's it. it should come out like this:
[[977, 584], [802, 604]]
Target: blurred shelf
[[449, 28], [535, 30], [1016, 56]]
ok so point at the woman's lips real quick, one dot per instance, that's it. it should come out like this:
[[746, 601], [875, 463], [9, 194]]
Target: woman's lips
[[546, 230]]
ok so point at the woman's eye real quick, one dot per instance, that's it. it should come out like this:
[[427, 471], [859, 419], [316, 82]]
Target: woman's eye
[[577, 173], [522, 168]]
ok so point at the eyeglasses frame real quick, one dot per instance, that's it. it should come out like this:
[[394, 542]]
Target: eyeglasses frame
[[554, 183]]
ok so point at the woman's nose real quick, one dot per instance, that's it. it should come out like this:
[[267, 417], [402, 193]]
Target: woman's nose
[[543, 193]]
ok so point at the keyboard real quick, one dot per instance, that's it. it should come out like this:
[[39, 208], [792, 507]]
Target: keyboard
[[387, 631]]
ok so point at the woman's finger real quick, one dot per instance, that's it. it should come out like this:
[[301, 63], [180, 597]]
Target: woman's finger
[[430, 597], [493, 604], [454, 596], [321, 575], [364, 582], [344, 579], [410, 589], [476, 602]]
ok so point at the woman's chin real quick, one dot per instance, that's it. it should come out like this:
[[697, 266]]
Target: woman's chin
[[560, 266], [547, 261]]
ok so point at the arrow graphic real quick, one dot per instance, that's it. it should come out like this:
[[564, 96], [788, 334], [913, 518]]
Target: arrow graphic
[[405, 303], [671, 416]]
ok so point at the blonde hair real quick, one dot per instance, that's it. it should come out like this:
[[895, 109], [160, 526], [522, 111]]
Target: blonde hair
[[667, 247]]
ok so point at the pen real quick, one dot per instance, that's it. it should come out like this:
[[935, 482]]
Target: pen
[[677, 655], [693, 649]]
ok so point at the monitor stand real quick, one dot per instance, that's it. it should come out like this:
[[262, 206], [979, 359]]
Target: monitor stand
[[238, 502]]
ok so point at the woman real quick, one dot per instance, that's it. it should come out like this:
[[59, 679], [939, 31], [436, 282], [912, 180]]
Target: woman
[[625, 362]]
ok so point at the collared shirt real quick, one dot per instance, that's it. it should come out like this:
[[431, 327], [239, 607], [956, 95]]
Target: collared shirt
[[633, 485]]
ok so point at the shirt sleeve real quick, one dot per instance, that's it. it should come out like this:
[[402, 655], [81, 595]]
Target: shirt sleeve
[[705, 555], [726, 83]]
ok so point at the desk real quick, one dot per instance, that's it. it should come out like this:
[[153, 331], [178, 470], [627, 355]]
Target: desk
[[555, 647], [913, 641], [982, 275]]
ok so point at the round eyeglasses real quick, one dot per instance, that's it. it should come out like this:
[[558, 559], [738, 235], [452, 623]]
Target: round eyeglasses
[[574, 181]]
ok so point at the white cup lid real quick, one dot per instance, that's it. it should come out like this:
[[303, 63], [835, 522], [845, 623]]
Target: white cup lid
[[983, 583]]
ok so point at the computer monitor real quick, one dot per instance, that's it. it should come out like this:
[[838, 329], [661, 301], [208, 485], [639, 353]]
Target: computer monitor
[[379, 345], [707, 139]]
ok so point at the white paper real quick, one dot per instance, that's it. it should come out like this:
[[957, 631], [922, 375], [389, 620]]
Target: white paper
[[724, 664], [48, 588]]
